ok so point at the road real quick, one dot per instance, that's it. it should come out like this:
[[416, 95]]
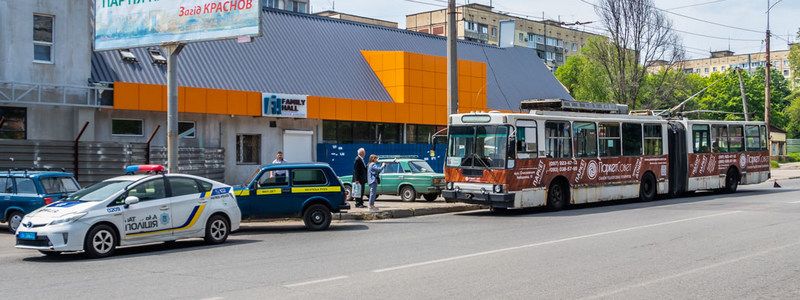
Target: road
[[743, 245]]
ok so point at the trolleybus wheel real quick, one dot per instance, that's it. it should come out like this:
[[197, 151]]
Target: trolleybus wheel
[[647, 189], [731, 181], [556, 196]]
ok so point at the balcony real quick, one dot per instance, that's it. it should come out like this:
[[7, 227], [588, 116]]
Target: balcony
[[57, 95], [476, 35]]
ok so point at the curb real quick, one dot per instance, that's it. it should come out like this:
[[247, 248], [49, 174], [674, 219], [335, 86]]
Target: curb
[[403, 213], [787, 178]]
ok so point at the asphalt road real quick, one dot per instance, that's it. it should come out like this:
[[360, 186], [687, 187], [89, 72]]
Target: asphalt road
[[743, 245]]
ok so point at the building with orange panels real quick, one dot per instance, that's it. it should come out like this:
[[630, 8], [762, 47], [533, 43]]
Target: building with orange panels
[[313, 87]]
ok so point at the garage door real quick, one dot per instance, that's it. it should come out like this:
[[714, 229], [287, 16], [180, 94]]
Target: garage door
[[297, 145]]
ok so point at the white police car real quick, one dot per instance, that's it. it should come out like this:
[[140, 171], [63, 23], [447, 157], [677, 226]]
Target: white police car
[[131, 210]]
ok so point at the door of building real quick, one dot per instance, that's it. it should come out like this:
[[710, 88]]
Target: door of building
[[298, 145]]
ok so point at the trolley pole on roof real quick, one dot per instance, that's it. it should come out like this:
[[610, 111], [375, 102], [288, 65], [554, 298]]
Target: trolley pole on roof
[[452, 60], [172, 51]]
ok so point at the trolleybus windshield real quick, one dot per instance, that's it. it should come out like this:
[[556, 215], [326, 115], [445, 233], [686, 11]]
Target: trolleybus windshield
[[482, 146]]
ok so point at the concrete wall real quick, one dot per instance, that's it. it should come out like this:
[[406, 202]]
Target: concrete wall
[[72, 42]]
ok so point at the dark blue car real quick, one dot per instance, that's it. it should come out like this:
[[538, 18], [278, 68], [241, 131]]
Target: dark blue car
[[308, 190], [21, 192]]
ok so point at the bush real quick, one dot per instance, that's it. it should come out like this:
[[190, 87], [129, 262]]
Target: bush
[[774, 164], [793, 157]]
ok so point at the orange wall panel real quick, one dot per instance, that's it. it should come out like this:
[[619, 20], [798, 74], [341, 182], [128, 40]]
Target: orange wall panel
[[415, 113], [429, 96], [237, 103], [343, 109], [441, 115], [254, 102], [313, 107], [440, 64], [358, 110], [217, 102], [327, 108], [401, 113], [388, 114], [126, 96], [428, 79], [416, 95], [416, 61], [182, 96], [428, 63], [195, 100], [429, 114], [373, 113], [152, 97], [416, 78], [441, 97]]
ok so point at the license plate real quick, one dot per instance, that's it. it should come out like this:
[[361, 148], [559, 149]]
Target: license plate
[[26, 235]]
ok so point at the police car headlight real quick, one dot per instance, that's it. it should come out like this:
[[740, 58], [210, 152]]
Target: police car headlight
[[497, 188], [450, 185], [69, 218]]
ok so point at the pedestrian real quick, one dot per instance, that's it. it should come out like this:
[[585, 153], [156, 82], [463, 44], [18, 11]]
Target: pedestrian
[[374, 179], [360, 176], [280, 175]]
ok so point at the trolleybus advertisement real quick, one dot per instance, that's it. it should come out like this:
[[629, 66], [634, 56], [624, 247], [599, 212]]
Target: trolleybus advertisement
[[121, 24]]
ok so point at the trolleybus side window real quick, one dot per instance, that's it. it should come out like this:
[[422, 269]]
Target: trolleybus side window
[[585, 139], [763, 137], [558, 142], [736, 138], [719, 138], [526, 139], [631, 139], [653, 143], [610, 141], [753, 138], [701, 138]]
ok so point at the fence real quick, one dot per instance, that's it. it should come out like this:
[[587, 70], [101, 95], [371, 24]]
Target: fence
[[97, 161], [341, 156], [793, 146]]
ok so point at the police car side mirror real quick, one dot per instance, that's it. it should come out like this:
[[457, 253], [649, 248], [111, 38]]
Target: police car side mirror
[[130, 200]]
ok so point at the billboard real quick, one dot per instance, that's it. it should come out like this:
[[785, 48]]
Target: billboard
[[284, 105], [122, 24]]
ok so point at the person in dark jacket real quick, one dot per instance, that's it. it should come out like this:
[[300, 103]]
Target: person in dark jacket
[[360, 176]]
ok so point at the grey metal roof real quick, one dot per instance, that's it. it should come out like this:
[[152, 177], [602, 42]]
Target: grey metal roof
[[313, 55]]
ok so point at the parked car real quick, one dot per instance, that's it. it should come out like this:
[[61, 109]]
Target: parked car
[[132, 210], [308, 190], [22, 192], [407, 177]]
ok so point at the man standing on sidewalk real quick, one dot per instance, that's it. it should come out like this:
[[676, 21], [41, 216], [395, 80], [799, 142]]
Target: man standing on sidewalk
[[279, 173], [360, 176]]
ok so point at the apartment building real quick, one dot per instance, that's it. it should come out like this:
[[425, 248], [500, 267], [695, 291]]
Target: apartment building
[[480, 23], [355, 18], [720, 61], [300, 6]]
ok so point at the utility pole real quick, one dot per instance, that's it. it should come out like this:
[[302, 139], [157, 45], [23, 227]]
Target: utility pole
[[172, 51], [452, 60], [767, 89], [744, 95]]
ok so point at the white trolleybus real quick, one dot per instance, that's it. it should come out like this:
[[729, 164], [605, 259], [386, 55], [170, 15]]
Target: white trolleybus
[[568, 152]]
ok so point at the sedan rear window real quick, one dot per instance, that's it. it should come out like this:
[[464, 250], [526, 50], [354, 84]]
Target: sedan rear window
[[308, 177]]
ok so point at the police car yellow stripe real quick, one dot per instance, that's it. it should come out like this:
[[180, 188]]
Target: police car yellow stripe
[[317, 189], [242, 193], [268, 191], [196, 213]]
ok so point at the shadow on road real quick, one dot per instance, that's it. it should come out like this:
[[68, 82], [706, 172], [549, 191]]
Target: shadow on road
[[143, 250], [292, 228], [617, 205]]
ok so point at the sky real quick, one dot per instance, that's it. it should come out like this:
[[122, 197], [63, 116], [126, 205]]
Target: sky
[[745, 14]]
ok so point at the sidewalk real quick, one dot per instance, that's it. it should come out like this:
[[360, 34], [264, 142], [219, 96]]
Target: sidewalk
[[391, 207], [786, 171]]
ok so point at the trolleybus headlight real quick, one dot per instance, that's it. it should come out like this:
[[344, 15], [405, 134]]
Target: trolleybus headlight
[[449, 185], [497, 188]]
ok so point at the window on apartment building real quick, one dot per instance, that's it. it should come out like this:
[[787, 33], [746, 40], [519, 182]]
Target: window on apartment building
[[494, 31], [271, 3], [574, 47], [438, 30], [300, 7], [470, 26], [714, 69], [521, 37], [706, 70], [248, 149], [187, 130], [722, 68], [127, 127], [785, 73], [43, 38], [483, 29], [13, 123], [552, 42]]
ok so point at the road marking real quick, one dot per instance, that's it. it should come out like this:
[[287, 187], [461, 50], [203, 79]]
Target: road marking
[[794, 202], [315, 281], [695, 270], [430, 262]]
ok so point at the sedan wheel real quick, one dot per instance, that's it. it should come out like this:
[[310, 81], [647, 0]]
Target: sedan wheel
[[216, 230], [14, 220], [100, 242], [408, 194]]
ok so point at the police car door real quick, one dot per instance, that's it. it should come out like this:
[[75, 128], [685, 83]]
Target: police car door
[[188, 202], [150, 219]]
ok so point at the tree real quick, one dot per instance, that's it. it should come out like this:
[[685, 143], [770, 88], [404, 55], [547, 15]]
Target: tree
[[794, 62], [638, 34], [584, 78]]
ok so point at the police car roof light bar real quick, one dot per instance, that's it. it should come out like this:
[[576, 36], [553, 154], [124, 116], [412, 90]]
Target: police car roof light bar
[[147, 169]]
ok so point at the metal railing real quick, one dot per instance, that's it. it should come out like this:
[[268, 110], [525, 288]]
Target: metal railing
[[56, 94]]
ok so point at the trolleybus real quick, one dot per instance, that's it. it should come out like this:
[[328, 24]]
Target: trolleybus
[[571, 156]]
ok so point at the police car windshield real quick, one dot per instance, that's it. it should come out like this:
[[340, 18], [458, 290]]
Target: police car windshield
[[99, 191]]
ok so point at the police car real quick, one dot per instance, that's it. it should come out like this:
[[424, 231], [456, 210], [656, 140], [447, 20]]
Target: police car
[[130, 210]]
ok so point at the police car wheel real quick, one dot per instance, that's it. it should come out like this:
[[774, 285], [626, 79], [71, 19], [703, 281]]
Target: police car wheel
[[431, 197], [217, 230], [348, 192], [317, 217], [100, 242], [14, 219]]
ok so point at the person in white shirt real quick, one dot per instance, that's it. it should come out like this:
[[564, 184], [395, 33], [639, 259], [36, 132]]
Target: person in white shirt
[[279, 160]]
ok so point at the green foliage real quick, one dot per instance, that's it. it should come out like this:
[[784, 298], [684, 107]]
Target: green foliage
[[794, 62], [774, 164], [793, 157], [584, 79]]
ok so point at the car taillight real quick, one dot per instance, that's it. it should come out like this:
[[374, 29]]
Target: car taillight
[[48, 200]]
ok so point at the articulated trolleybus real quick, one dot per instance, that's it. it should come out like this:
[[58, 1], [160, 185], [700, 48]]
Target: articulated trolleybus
[[568, 152]]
